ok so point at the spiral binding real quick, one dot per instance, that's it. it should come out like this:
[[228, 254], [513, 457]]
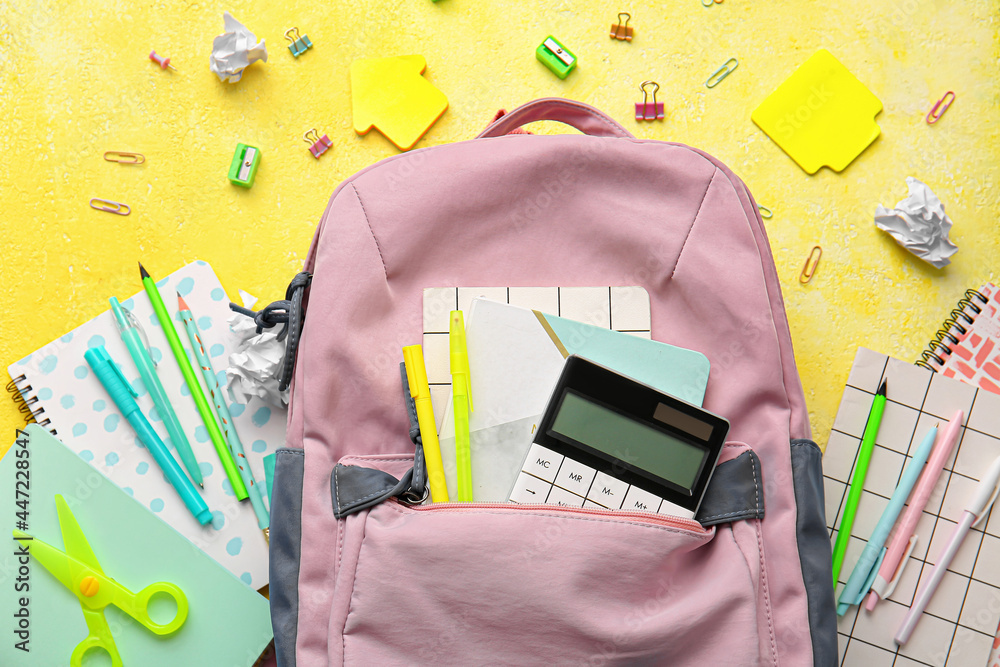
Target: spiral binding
[[21, 394], [938, 350]]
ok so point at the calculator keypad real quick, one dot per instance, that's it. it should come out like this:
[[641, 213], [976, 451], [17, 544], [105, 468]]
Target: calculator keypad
[[549, 477]]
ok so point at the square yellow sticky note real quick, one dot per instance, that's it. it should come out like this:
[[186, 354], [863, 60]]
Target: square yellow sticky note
[[821, 115], [391, 95]]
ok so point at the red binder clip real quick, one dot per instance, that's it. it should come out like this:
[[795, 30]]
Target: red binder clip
[[317, 144], [647, 110]]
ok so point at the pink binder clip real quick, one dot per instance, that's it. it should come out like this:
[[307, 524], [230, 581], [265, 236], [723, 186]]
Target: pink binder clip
[[647, 110], [317, 144]]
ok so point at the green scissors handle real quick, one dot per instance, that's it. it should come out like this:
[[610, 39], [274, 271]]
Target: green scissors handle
[[97, 591], [99, 637], [106, 591]]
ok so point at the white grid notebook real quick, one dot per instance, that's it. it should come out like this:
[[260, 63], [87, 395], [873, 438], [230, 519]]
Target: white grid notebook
[[624, 309], [958, 627]]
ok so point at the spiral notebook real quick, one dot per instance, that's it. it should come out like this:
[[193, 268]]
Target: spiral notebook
[[967, 347], [57, 386]]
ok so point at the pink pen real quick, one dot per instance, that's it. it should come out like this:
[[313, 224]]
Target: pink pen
[[975, 511], [902, 544]]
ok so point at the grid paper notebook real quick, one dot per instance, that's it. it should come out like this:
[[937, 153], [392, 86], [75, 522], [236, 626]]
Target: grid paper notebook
[[88, 422], [624, 309], [958, 627]]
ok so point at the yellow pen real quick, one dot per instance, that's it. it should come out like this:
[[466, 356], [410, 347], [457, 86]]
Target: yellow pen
[[420, 392], [462, 403]]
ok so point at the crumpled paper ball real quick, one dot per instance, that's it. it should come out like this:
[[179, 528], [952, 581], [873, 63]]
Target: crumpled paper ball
[[255, 364], [919, 224], [235, 50]]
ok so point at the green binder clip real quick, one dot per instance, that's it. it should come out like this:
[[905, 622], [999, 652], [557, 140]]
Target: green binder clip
[[299, 45], [243, 168], [556, 57]]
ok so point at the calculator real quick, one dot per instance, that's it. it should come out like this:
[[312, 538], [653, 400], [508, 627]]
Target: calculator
[[610, 442]]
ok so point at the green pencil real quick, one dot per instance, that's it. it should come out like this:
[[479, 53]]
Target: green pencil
[[204, 409], [858, 481]]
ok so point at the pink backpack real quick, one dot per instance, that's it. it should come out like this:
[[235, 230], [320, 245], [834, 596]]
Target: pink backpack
[[361, 576]]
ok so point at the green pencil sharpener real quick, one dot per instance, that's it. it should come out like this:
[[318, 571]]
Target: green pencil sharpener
[[556, 57], [243, 168]]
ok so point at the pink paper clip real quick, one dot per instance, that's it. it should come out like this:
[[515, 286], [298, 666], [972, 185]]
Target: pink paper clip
[[935, 113], [318, 144], [647, 110]]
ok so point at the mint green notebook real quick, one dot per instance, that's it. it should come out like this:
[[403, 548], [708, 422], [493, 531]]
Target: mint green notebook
[[228, 622]]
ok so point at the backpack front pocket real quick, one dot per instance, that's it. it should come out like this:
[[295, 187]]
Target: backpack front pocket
[[471, 584]]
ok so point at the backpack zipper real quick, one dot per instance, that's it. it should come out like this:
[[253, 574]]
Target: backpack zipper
[[641, 517]]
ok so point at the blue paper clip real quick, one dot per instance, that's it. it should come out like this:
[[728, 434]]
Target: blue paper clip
[[718, 75], [299, 45]]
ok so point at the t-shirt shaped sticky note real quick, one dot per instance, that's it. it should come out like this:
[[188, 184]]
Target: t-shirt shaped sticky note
[[390, 94], [821, 114]]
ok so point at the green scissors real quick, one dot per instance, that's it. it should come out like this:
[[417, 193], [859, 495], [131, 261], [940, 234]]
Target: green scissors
[[78, 570]]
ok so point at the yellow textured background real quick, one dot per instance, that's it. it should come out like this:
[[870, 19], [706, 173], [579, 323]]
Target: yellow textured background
[[75, 81]]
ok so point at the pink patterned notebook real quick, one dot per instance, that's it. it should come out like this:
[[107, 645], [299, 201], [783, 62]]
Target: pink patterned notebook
[[967, 347]]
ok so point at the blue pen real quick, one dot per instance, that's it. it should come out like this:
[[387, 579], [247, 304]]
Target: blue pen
[[122, 393], [871, 558], [129, 330]]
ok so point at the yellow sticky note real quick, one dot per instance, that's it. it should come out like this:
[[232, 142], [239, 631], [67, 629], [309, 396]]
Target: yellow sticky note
[[390, 95], [821, 114]]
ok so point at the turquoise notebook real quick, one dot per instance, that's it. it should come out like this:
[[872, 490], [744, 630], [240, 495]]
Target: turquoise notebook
[[228, 622], [515, 358]]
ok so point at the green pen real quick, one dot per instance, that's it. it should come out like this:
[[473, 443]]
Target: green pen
[[858, 481], [129, 330], [204, 409]]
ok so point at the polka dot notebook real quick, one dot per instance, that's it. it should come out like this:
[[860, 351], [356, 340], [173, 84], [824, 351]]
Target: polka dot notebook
[[72, 403]]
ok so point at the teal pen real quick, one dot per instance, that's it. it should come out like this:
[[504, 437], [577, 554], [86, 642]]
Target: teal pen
[[129, 330], [225, 419], [871, 558], [122, 394]]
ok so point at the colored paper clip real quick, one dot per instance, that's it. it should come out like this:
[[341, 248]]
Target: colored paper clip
[[765, 212], [110, 206], [809, 268], [709, 3], [935, 113], [621, 30], [122, 157], [556, 57], [299, 45], [319, 145], [164, 63], [647, 110], [718, 75]]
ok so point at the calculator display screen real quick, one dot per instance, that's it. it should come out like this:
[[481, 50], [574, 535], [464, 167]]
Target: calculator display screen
[[631, 441]]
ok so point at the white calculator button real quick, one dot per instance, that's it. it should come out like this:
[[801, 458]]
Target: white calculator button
[[640, 500], [667, 507], [576, 477], [563, 497], [542, 462], [528, 489], [590, 504], [607, 491]]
